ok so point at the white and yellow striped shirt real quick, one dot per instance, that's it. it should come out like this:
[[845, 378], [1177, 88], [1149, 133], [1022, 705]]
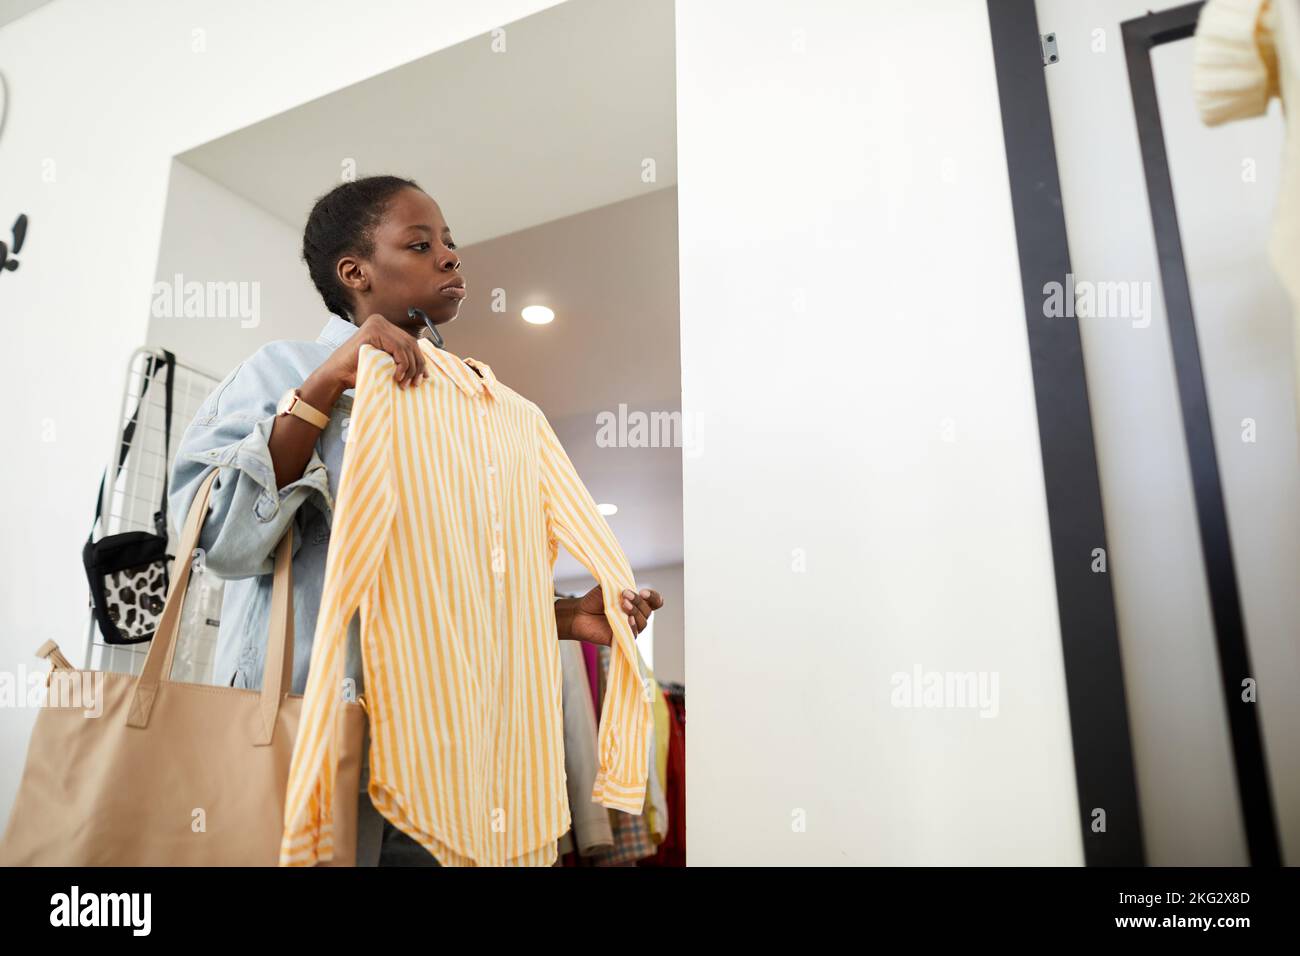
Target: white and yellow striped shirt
[[453, 498]]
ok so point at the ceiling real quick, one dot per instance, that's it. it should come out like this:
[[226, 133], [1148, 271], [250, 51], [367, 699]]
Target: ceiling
[[558, 122], [610, 274], [536, 156]]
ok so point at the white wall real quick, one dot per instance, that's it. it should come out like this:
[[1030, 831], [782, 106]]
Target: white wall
[[101, 96], [211, 235], [1186, 785], [849, 281]]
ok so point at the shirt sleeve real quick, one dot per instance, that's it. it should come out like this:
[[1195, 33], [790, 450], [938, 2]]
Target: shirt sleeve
[[627, 716], [364, 514], [1235, 70], [248, 513]]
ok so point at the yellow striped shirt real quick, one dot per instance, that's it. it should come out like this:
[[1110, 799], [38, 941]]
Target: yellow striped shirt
[[453, 499]]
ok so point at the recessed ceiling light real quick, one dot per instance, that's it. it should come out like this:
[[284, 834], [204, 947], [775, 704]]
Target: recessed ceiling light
[[537, 314], [607, 509]]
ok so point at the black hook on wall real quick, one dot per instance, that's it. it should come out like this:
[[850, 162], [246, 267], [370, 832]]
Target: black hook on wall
[[19, 231]]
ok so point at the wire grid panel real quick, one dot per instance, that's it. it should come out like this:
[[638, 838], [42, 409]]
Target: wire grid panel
[[130, 503]]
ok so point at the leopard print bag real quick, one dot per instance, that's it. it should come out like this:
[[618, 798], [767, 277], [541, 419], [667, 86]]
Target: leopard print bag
[[128, 584]]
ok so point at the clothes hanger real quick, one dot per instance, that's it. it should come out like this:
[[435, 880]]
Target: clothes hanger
[[413, 313]]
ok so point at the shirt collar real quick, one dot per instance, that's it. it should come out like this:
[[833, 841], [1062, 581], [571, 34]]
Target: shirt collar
[[337, 331], [459, 372]]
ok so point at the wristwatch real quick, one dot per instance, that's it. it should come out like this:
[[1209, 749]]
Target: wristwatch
[[291, 403]]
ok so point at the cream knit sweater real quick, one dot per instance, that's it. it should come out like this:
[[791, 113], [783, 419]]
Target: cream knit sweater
[[1247, 52]]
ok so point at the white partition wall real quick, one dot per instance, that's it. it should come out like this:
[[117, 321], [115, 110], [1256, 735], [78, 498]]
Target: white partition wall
[[866, 512]]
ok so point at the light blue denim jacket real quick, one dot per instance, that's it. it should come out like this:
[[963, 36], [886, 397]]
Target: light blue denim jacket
[[248, 514]]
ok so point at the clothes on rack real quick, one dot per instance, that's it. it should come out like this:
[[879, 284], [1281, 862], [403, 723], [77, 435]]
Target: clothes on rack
[[632, 842], [656, 809], [590, 821], [1246, 53], [656, 805], [454, 498], [672, 851], [658, 836], [591, 660], [590, 828], [602, 835], [663, 733]]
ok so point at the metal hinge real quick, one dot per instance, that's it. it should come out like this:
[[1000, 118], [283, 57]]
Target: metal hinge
[[1047, 41]]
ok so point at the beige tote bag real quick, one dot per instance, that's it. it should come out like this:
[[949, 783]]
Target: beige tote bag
[[147, 771]]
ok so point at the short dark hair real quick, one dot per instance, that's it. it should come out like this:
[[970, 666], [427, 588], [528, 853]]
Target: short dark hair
[[342, 223]]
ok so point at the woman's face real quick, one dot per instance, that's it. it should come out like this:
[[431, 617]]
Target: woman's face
[[414, 260]]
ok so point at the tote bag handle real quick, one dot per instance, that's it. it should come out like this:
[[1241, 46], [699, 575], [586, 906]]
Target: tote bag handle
[[279, 649]]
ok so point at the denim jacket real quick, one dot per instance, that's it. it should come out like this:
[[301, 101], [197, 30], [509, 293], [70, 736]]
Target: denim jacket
[[248, 514]]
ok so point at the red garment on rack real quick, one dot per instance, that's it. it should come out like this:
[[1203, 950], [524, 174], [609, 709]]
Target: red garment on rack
[[672, 852], [591, 656]]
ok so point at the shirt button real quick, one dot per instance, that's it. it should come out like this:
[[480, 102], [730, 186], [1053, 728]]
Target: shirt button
[[492, 469], [482, 412]]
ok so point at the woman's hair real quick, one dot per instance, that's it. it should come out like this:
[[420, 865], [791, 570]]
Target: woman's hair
[[342, 223]]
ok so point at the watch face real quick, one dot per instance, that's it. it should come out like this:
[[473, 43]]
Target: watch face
[[285, 401]]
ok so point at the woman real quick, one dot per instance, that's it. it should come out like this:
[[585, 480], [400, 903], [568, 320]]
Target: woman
[[375, 247]]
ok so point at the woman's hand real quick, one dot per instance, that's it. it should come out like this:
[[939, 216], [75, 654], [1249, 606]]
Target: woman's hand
[[292, 439], [583, 619], [377, 331]]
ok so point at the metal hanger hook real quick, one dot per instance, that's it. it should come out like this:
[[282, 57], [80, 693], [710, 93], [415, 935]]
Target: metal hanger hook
[[413, 313]]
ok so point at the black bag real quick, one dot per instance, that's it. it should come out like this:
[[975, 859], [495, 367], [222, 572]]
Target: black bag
[[128, 572]]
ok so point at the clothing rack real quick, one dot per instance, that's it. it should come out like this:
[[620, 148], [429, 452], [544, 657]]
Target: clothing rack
[[132, 498]]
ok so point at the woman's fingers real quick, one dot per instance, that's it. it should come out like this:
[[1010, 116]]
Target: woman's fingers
[[409, 366], [408, 363], [639, 607], [646, 602], [417, 364]]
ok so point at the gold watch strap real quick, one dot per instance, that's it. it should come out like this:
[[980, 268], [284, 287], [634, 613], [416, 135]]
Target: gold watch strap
[[308, 414]]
